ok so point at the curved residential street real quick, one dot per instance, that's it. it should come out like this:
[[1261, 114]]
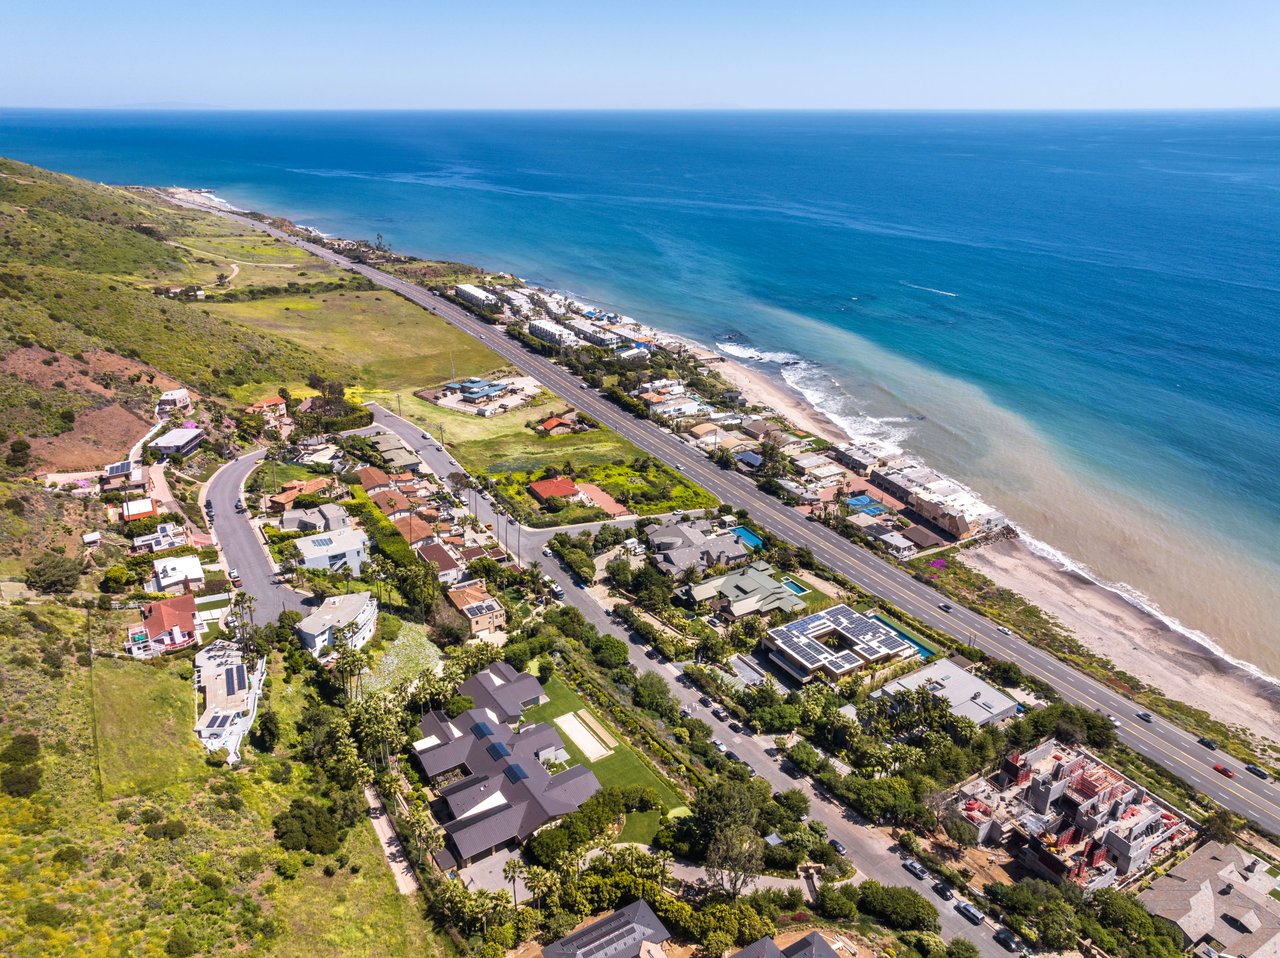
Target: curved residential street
[[1170, 746]]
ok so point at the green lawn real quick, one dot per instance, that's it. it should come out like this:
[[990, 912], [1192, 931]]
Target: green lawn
[[622, 767], [641, 827], [144, 718], [396, 345], [646, 487], [270, 477]]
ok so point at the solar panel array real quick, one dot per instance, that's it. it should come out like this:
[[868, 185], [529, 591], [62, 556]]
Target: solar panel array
[[119, 468], [481, 730], [515, 773], [861, 640], [242, 680], [498, 750]]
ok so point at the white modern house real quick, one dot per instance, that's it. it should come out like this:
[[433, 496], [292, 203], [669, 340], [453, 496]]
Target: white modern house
[[357, 611], [178, 442], [554, 333], [177, 574], [475, 296], [335, 550]]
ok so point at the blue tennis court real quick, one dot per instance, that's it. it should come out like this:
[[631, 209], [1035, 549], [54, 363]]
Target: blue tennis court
[[858, 502], [876, 510]]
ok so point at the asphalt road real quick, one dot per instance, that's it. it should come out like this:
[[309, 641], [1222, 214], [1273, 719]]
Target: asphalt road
[[1166, 744], [242, 548]]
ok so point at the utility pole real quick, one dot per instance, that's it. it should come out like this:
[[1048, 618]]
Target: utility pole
[[399, 411]]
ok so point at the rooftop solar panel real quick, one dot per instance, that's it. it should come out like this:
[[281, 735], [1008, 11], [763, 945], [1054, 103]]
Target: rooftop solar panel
[[481, 729], [242, 681], [231, 682], [497, 750], [515, 773]]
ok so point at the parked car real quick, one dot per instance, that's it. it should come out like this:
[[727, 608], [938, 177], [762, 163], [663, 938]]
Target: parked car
[[705, 702], [1208, 743], [234, 576], [971, 912], [720, 746], [838, 846], [943, 891], [792, 770], [945, 606], [1223, 770], [733, 757], [735, 727], [915, 868], [720, 713], [1007, 939], [1146, 717], [1260, 772], [546, 551], [651, 654]]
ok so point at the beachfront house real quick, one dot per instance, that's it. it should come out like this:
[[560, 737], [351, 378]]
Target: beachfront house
[[834, 643], [751, 590], [967, 695]]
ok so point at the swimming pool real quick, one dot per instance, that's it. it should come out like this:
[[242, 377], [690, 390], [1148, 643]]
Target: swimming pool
[[924, 650], [795, 586], [748, 538]]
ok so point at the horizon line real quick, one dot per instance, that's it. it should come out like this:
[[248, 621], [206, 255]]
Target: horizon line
[[654, 109]]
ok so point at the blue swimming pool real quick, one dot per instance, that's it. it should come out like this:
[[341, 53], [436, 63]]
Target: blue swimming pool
[[795, 587], [924, 650], [748, 538]]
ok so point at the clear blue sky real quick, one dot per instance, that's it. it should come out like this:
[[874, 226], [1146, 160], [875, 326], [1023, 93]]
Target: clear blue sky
[[398, 54]]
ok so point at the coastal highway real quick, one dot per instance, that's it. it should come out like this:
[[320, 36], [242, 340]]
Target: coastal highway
[[1168, 745], [868, 849]]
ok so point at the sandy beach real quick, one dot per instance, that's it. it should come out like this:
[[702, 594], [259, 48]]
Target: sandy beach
[[763, 390], [1136, 642]]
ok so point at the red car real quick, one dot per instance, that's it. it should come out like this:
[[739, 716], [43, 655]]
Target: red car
[[1223, 770]]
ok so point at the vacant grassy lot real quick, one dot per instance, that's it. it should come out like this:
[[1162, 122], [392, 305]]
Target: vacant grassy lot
[[143, 716], [505, 443], [644, 485], [395, 344], [351, 916], [622, 767]]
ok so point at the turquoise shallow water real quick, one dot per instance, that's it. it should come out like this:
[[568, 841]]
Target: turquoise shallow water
[[1079, 315]]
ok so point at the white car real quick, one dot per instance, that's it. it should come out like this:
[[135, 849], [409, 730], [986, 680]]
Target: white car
[[1002, 630], [546, 551]]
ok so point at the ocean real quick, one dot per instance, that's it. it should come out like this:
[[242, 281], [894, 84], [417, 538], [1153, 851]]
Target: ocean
[[1077, 315]]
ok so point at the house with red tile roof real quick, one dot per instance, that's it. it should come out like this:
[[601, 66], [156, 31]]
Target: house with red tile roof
[[290, 491], [448, 570], [595, 496], [393, 504], [416, 530], [373, 480], [555, 426], [560, 487], [166, 626]]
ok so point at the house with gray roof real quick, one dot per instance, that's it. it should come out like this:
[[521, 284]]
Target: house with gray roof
[[1220, 899], [751, 590], [967, 695], [337, 550], [324, 518], [632, 931], [812, 945], [492, 785], [684, 545], [503, 692]]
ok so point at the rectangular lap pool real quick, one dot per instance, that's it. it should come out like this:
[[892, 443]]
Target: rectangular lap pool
[[795, 586], [748, 538]]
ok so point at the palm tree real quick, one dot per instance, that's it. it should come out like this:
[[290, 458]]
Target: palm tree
[[512, 870], [541, 882]]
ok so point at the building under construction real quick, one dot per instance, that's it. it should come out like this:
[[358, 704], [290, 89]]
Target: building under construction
[[1068, 816]]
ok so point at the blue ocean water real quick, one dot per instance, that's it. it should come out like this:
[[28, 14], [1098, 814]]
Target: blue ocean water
[[1078, 315]]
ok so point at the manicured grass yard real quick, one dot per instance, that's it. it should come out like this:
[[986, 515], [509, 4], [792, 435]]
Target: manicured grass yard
[[621, 767], [396, 345], [144, 718], [640, 827]]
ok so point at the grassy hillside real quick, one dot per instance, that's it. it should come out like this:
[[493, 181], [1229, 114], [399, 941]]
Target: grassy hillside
[[79, 874], [85, 346]]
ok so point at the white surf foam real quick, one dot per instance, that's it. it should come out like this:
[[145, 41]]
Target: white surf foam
[[927, 289], [750, 353], [1140, 602]]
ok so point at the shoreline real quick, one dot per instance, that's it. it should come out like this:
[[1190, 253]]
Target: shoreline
[[1091, 610], [1134, 640]]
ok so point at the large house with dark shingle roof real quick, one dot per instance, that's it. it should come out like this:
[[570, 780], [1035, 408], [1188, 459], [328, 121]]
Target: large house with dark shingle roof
[[492, 787], [633, 931], [1220, 896], [812, 945]]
